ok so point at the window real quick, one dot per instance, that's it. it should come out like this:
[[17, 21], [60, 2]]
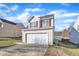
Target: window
[[45, 23], [33, 24]]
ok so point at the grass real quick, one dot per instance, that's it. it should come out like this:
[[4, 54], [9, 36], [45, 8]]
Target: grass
[[64, 48], [69, 48], [6, 42], [70, 51], [68, 45]]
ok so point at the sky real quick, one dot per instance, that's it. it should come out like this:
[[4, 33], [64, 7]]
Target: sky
[[65, 13]]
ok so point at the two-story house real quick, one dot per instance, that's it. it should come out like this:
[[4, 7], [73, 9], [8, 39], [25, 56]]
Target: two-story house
[[40, 30]]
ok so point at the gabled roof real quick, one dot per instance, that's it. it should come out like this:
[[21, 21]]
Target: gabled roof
[[31, 18], [8, 21], [46, 16]]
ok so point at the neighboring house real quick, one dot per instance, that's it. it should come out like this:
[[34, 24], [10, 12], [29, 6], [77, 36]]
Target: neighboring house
[[74, 33], [56, 33], [10, 29], [40, 30], [65, 33]]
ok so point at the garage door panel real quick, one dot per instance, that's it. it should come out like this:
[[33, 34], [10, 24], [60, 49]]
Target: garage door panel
[[37, 38]]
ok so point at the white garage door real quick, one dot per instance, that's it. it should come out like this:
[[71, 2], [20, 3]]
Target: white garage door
[[37, 39]]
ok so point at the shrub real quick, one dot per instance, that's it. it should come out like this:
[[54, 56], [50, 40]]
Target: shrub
[[56, 40]]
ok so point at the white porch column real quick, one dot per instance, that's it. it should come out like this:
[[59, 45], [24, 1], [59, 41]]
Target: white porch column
[[51, 37], [23, 36]]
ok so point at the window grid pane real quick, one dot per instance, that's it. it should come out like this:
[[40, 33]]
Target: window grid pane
[[33, 24], [44, 23]]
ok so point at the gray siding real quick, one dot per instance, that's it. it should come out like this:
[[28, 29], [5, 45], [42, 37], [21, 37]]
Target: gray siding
[[10, 30], [74, 36]]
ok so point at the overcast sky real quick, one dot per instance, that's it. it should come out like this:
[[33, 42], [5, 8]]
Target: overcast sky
[[65, 14]]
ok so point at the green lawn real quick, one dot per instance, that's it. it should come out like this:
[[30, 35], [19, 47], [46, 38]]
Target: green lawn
[[6, 42]]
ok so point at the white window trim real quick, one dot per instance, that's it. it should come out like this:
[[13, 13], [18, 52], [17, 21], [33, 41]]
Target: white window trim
[[45, 24], [34, 25]]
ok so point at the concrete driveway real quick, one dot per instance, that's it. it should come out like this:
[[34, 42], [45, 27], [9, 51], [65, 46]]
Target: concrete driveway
[[24, 50]]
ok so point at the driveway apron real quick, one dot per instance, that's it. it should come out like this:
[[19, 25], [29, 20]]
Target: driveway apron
[[24, 50]]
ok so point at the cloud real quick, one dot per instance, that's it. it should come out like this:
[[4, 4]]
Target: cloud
[[8, 17], [63, 18], [68, 20], [38, 9], [57, 13], [15, 7], [28, 9], [65, 4], [69, 14], [23, 16], [34, 9], [63, 13], [59, 28], [3, 14], [7, 8], [3, 5], [12, 18]]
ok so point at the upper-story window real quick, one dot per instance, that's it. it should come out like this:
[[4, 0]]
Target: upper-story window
[[34, 24], [45, 23]]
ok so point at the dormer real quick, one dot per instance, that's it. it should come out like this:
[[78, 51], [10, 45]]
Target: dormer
[[41, 22], [34, 22]]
